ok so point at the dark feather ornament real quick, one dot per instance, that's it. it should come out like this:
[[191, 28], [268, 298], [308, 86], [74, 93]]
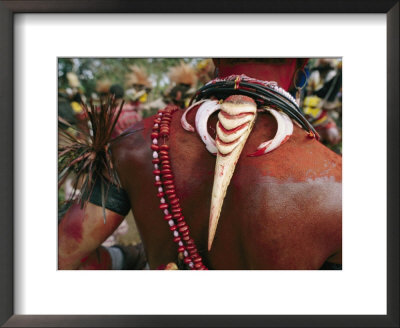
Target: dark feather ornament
[[84, 154]]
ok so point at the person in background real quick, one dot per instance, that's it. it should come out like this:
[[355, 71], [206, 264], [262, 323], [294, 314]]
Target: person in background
[[138, 87], [205, 71], [183, 85], [70, 99], [64, 107], [128, 115], [117, 91], [103, 87], [322, 104], [70, 111], [135, 96]]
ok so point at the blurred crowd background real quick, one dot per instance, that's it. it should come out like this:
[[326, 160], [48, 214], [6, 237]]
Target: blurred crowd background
[[148, 84]]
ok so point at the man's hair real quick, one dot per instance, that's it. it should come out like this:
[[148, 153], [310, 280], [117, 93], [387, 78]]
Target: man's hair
[[117, 91]]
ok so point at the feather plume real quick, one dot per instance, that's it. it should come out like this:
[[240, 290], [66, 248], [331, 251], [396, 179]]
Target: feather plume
[[138, 75], [103, 86], [183, 74], [86, 154]]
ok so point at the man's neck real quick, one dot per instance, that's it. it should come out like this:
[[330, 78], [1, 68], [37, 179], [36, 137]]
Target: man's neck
[[281, 72]]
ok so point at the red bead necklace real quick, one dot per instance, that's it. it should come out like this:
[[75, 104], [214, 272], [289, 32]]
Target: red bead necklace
[[166, 190]]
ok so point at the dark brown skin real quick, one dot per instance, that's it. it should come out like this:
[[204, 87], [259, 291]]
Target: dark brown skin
[[282, 210]]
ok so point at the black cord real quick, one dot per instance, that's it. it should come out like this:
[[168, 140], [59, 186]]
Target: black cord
[[261, 94], [260, 100]]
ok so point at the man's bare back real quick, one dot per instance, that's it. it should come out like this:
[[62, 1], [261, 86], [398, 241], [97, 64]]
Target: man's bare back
[[281, 211]]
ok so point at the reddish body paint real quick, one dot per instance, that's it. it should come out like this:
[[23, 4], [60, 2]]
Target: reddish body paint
[[259, 152], [275, 214], [80, 233], [73, 228], [280, 72], [248, 222], [98, 260]]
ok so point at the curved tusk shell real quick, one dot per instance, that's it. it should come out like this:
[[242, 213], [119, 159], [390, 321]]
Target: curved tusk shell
[[202, 116], [283, 133], [184, 122], [228, 154]]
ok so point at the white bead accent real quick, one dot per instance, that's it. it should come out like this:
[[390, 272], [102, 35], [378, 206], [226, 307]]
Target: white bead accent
[[180, 243], [185, 253], [191, 264], [166, 212], [156, 166], [160, 189], [156, 125], [176, 233], [157, 178], [155, 141], [171, 223], [162, 200], [155, 154]]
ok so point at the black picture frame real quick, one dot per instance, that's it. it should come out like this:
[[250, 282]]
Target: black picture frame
[[7, 11]]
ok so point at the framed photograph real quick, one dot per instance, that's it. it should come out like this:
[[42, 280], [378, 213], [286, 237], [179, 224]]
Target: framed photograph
[[38, 38]]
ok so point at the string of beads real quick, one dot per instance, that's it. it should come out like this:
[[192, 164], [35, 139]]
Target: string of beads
[[166, 190]]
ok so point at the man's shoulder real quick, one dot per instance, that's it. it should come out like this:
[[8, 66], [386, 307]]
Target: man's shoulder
[[132, 140], [132, 148]]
